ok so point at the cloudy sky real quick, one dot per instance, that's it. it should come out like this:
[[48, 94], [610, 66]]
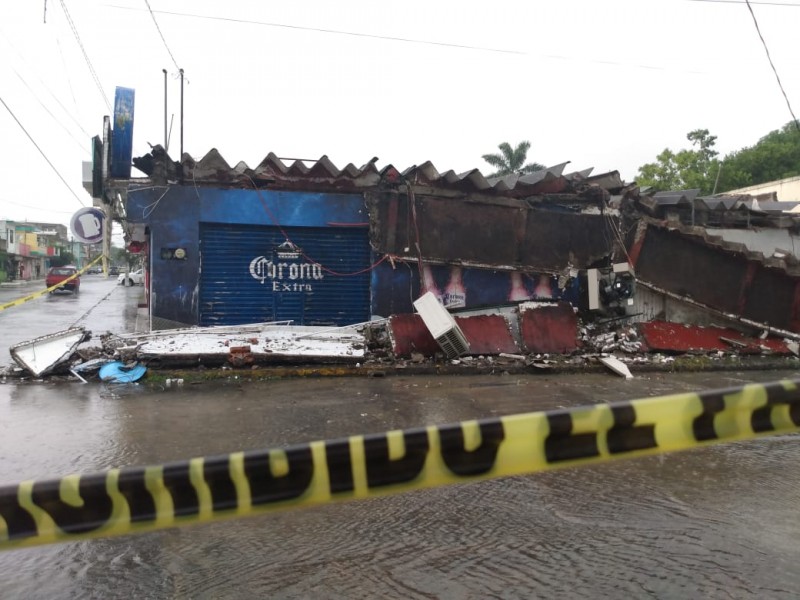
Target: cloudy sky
[[600, 84]]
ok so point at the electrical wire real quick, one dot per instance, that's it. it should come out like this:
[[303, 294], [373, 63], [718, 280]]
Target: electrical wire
[[47, 110], [39, 208], [162, 35], [786, 4], [408, 40], [774, 70], [85, 55], [331, 31], [64, 181], [45, 86]]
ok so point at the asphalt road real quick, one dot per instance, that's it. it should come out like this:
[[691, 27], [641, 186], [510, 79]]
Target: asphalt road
[[716, 522], [101, 305]]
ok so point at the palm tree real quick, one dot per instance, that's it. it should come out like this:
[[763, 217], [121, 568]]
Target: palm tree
[[511, 160]]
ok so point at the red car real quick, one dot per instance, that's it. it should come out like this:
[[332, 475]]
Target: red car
[[58, 274]]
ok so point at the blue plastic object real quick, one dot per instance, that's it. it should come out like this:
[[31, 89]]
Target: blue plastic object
[[117, 372]]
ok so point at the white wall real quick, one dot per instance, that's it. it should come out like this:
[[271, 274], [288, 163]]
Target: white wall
[[766, 241], [788, 190]]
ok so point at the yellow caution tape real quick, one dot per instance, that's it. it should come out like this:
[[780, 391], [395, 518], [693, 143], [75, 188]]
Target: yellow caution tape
[[45, 291], [139, 499]]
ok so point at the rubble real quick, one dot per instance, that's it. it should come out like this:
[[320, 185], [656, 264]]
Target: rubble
[[278, 351]]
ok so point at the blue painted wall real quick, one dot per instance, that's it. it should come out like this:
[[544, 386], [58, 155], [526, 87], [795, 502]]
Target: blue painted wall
[[174, 215]]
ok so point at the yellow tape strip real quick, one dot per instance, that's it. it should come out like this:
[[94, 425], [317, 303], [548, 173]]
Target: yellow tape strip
[[139, 499], [45, 291]]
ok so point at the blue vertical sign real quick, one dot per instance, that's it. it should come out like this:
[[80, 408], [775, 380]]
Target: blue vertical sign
[[122, 137]]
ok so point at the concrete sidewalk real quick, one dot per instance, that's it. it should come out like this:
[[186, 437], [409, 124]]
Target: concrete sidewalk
[[142, 322]]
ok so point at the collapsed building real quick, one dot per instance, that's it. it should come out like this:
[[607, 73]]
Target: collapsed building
[[308, 243]]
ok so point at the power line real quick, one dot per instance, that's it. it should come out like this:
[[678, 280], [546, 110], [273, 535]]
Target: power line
[[774, 70], [39, 208], [331, 31], [64, 181], [86, 56], [787, 4], [47, 110], [45, 86], [396, 39], [161, 34]]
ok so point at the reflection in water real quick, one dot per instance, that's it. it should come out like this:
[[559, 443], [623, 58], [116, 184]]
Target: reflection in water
[[716, 522]]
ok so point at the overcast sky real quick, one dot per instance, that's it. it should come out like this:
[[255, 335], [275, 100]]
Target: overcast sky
[[600, 84]]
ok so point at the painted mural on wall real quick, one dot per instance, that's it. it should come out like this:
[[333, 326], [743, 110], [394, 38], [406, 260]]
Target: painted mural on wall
[[396, 284]]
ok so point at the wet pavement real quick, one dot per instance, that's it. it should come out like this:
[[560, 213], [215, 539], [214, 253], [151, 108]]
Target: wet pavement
[[716, 522], [101, 306]]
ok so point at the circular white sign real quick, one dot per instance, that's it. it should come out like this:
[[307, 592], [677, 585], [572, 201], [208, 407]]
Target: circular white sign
[[87, 225]]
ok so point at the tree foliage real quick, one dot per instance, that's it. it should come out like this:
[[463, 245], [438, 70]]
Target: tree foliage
[[512, 160], [65, 258], [122, 258], [775, 156], [685, 169]]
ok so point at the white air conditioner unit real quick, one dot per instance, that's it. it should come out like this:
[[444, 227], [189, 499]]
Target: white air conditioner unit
[[442, 325]]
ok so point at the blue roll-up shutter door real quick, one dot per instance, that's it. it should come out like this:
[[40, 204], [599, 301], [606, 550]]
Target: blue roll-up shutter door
[[249, 274]]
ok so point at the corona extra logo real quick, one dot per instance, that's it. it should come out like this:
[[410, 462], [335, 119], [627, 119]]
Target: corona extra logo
[[287, 250], [286, 276]]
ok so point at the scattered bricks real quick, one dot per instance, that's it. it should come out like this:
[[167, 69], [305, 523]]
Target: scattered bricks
[[240, 356]]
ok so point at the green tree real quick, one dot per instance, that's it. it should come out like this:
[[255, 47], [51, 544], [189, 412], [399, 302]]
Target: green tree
[[685, 169], [122, 258], [775, 156], [512, 160], [65, 258]]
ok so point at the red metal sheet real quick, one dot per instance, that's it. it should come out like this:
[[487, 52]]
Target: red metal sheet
[[486, 334], [549, 328], [662, 336], [409, 334]]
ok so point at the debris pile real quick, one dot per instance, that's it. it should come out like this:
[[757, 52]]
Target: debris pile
[[598, 338]]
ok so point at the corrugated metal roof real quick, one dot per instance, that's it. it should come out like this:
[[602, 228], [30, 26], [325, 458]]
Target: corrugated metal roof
[[322, 174], [788, 264], [676, 198]]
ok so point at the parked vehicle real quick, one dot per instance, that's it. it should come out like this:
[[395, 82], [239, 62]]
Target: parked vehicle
[[132, 278], [94, 271], [58, 274], [113, 270]]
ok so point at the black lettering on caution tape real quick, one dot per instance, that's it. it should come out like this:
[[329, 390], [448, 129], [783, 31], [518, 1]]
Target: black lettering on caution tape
[[624, 436], [383, 470], [19, 521], [478, 461], [285, 475], [93, 514], [266, 487], [561, 444], [131, 484]]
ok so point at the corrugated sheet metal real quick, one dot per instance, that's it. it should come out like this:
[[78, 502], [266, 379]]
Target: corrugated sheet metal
[[249, 274], [721, 275], [661, 336], [322, 174]]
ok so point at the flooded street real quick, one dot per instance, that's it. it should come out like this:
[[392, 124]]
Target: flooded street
[[716, 522]]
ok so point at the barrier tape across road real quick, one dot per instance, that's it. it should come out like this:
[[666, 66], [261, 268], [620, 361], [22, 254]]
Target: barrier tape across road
[[41, 293], [139, 499]]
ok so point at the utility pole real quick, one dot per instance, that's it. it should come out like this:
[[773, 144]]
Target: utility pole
[[166, 139], [181, 156]]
